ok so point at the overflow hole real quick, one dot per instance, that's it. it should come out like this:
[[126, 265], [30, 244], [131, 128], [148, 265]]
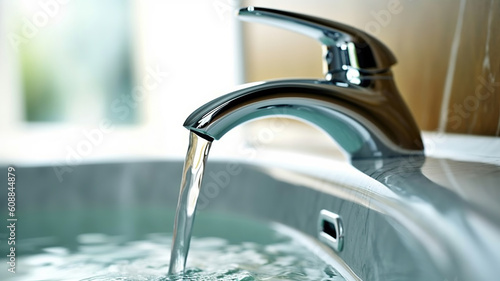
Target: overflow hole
[[330, 229]]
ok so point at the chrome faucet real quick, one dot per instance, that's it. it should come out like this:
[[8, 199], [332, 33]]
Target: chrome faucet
[[357, 103]]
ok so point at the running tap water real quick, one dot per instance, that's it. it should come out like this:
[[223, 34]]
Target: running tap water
[[192, 175], [357, 104]]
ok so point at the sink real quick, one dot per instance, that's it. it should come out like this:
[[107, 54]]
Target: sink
[[388, 222]]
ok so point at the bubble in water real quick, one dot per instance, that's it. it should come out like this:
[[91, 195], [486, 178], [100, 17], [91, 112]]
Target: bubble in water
[[210, 259]]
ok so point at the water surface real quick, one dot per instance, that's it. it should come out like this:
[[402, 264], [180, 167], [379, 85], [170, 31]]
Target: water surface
[[244, 249]]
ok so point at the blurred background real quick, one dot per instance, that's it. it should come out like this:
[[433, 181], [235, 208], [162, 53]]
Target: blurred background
[[93, 80]]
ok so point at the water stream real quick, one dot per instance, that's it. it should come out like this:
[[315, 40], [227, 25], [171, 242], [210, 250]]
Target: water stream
[[192, 175]]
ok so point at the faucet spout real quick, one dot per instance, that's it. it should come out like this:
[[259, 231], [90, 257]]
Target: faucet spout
[[357, 103], [367, 121]]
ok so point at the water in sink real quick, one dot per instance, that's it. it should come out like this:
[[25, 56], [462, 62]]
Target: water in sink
[[224, 247]]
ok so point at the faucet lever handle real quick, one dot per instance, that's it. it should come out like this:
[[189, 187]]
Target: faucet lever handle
[[345, 47]]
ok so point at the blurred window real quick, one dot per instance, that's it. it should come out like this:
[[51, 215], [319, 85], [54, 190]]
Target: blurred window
[[75, 59]]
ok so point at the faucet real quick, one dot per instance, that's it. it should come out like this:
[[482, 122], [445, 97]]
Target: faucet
[[357, 103]]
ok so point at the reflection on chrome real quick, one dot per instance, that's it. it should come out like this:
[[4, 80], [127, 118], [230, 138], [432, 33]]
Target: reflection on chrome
[[358, 103]]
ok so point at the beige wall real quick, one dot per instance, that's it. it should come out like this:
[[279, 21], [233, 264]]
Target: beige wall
[[448, 55]]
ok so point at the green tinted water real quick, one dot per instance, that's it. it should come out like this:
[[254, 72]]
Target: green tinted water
[[224, 247], [125, 244]]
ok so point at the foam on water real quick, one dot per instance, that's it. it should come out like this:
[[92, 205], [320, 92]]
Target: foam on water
[[103, 257]]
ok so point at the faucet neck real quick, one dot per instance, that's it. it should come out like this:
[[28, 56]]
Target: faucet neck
[[368, 122]]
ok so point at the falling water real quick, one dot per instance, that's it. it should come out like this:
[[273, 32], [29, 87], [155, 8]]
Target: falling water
[[192, 175]]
